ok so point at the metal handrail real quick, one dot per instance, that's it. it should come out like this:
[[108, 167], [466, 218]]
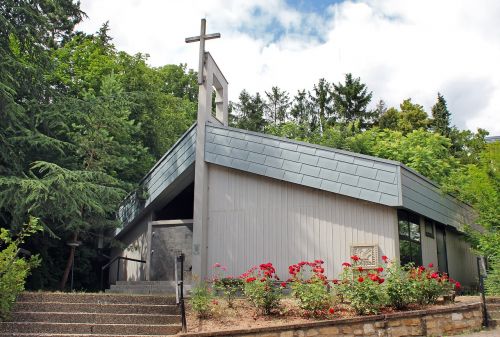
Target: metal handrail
[[107, 265], [180, 289]]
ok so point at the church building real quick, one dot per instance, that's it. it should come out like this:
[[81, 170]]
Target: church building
[[240, 198]]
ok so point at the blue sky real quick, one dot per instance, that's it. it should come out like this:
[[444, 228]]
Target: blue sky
[[447, 46]]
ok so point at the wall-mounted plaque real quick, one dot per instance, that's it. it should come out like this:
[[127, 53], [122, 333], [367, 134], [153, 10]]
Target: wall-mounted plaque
[[368, 255]]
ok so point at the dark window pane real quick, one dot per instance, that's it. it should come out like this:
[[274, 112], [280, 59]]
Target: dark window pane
[[416, 253], [429, 228], [415, 232], [404, 228], [405, 252]]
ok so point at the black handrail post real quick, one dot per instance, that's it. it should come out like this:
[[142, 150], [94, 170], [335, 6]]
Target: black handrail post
[[180, 258], [117, 271], [481, 269], [117, 258]]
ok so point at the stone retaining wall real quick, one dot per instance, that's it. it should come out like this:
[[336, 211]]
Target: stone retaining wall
[[449, 320]]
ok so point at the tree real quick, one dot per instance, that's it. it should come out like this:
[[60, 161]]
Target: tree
[[277, 105], [301, 109], [412, 117], [351, 100], [441, 117], [389, 119], [321, 101], [249, 112]]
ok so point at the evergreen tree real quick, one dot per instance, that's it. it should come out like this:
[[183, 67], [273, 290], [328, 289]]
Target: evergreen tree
[[351, 100], [441, 117], [412, 117], [277, 105], [249, 112], [321, 101]]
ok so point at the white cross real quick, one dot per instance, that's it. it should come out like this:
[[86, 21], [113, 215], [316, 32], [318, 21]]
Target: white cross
[[202, 37]]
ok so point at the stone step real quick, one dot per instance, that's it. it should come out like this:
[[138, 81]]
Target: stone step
[[95, 318], [82, 328], [159, 283], [493, 306], [130, 308], [494, 314], [94, 298]]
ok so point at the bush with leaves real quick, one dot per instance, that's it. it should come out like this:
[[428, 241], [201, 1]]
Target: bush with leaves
[[14, 269], [399, 288], [228, 286], [428, 285], [201, 299], [260, 287], [309, 286], [362, 287]]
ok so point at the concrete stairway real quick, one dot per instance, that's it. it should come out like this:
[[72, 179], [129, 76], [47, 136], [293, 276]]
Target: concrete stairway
[[145, 287], [493, 309], [79, 314]]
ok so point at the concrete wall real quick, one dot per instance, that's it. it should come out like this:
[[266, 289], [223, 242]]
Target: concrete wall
[[135, 246], [255, 219]]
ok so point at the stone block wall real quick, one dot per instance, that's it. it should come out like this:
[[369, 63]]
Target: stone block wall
[[450, 320]]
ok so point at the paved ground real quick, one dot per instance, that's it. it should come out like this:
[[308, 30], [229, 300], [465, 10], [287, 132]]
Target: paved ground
[[485, 333]]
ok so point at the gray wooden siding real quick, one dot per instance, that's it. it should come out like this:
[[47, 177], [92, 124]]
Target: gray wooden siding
[[429, 247], [165, 171], [425, 198], [358, 176], [462, 264], [255, 219]]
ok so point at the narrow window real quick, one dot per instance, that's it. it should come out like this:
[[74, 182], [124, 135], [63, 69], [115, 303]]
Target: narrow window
[[410, 247]]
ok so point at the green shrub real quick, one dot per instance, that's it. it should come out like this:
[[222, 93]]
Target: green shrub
[[201, 298], [362, 288], [229, 287], [492, 282], [260, 289], [309, 286], [428, 284], [14, 269], [399, 288]]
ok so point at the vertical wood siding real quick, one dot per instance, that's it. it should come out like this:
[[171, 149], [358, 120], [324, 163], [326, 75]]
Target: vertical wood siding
[[255, 219], [429, 247], [462, 263]]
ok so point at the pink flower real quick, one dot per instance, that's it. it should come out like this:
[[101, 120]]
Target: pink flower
[[216, 265], [223, 268], [346, 264], [360, 268], [355, 258], [331, 311], [434, 275], [380, 280], [283, 284], [360, 279], [457, 285], [380, 269], [250, 279], [431, 265], [385, 258]]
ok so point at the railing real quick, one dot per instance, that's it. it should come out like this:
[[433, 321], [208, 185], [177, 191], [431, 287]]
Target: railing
[[179, 295], [107, 265]]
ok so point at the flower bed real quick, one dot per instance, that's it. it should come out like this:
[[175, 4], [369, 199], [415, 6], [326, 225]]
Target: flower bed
[[258, 296]]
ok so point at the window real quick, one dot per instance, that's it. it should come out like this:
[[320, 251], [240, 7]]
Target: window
[[410, 248], [429, 228]]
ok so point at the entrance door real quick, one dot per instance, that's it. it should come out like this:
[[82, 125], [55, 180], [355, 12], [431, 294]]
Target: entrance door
[[441, 248], [166, 244]]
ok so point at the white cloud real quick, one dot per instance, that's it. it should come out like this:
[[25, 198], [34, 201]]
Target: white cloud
[[399, 48]]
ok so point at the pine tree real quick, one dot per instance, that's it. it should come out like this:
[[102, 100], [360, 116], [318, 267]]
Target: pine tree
[[249, 112], [321, 100], [441, 117], [351, 100], [302, 110], [278, 103]]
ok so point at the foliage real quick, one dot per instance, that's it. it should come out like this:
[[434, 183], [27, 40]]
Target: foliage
[[260, 289], [227, 285], [492, 282], [362, 287], [428, 284], [441, 117], [248, 113], [351, 99], [277, 105], [14, 269], [321, 100], [200, 299], [400, 290], [309, 286]]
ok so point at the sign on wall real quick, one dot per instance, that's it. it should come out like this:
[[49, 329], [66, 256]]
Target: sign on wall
[[368, 254]]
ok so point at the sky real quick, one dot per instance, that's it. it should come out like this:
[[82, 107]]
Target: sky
[[400, 48]]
